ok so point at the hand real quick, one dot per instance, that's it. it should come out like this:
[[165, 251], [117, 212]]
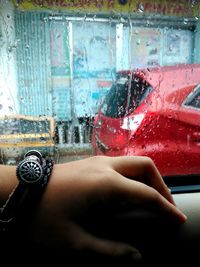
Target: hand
[[79, 186]]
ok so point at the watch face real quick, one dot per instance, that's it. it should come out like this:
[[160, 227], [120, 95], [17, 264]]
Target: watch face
[[29, 171]]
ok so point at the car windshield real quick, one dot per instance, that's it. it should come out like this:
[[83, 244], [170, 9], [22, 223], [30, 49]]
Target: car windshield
[[112, 78]]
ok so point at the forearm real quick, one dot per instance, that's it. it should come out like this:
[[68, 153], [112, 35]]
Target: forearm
[[8, 181]]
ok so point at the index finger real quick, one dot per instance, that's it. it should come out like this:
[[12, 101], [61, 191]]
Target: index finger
[[143, 169], [137, 192]]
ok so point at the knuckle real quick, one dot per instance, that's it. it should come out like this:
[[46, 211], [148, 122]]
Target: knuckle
[[149, 163], [155, 196]]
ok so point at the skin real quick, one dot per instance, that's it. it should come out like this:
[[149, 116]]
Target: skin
[[76, 188]]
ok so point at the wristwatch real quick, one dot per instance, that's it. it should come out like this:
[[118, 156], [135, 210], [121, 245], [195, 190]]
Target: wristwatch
[[33, 173]]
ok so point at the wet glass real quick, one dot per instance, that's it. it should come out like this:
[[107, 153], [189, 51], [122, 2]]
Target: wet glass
[[62, 77]]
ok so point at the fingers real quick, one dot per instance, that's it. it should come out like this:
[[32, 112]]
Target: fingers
[[103, 248], [142, 169], [137, 192]]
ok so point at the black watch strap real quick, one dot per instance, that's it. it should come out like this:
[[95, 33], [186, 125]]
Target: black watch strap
[[33, 173]]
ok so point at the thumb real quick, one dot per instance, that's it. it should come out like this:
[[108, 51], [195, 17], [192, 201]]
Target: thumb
[[102, 250], [113, 252]]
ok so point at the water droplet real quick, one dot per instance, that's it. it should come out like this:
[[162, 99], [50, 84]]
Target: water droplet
[[148, 43], [138, 42]]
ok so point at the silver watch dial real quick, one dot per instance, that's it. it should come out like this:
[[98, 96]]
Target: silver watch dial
[[29, 171]]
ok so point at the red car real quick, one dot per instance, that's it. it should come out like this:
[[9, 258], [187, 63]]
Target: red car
[[153, 112]]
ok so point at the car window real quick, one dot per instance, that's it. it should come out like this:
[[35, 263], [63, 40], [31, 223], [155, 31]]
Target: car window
[[115, 102], [79, 76], [124, 96], [193, 100]]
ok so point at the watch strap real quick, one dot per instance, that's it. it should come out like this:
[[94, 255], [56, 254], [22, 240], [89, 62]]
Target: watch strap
[[24, 197], [10, 208]]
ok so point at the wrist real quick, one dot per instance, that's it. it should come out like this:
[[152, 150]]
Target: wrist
[[8, 181], [31, 175]]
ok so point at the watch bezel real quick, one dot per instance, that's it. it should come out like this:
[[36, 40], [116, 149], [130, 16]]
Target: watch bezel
[[29, 170]]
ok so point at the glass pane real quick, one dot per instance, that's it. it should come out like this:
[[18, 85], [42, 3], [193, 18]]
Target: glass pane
[[80, 78]]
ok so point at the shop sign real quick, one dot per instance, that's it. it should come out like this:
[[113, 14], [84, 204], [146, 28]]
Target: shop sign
[[167, 7]]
